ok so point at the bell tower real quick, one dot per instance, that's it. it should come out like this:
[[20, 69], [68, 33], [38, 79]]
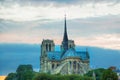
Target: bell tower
[[71, 44], [46, 46]]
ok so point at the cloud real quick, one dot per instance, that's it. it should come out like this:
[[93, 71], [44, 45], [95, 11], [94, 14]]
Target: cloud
[[93, 31], [26, 22], [105, 40], [57, 3], [95, 25], [18, 12]]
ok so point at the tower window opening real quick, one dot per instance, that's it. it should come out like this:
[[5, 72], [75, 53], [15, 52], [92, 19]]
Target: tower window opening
[[49, 47], [74, 64], [53, 66], [57, 64], [46, 47]]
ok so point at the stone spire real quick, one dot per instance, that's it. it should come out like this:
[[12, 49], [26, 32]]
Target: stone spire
[[65, 37]]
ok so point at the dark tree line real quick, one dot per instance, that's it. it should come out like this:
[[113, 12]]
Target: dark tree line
[[43, 76], [25, 72]]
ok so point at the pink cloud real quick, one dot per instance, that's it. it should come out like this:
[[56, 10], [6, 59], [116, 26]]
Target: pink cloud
[[111, 41]]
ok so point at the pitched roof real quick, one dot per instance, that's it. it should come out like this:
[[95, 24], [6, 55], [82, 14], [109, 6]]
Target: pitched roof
[[56, 55], [72, 53]]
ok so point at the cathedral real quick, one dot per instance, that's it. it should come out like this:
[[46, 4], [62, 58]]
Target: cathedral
[[66, 61]]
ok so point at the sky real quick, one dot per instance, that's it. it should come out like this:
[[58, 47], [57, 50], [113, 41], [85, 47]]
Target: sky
[[89, 22], [25, 23]]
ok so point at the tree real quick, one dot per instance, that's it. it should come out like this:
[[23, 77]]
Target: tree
[[24, 68], [43, 76], [25, 72], [11, 76], [109, 75], [98, 73]]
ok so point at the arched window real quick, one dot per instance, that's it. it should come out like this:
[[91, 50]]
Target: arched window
[[53, 66], [74, 64], [46, 47], [49, 47], [70, 46], [70, 63], [78, 65], [79, 68], [57, 65]]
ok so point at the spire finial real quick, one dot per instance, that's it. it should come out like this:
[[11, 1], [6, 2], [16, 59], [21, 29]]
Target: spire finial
[[65, 15]]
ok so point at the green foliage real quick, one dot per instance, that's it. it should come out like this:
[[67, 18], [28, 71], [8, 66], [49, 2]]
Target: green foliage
[[25, 75], [23, 72], [98, 73], [42, 76], [103, 74], [24, 68], [11, 76], [109, 75]]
